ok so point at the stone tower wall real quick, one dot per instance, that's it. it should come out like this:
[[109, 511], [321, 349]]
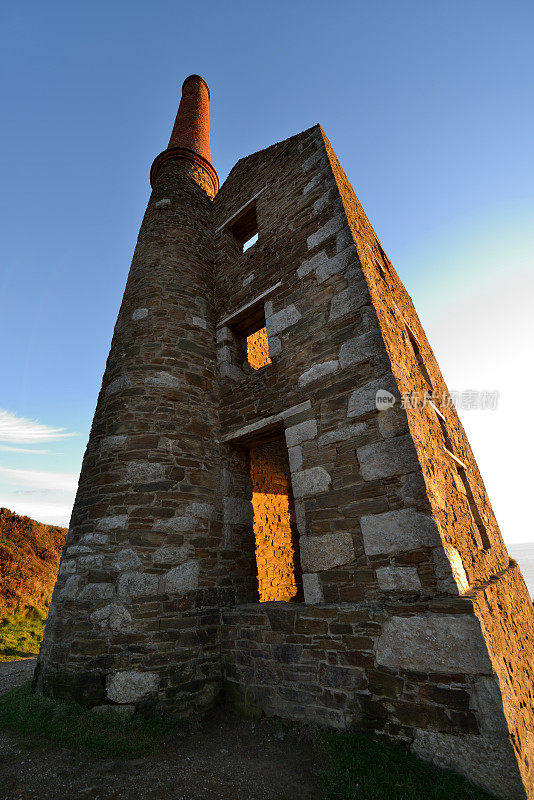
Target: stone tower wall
[[480, 564], [409, 619], [135, 610], [392, 637]]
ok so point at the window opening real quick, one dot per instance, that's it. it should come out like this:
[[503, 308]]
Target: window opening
[[479, 528], [481, 534], [253, 239], [275, 535], [245, 227], [418, 355], [258, 349], [250, 330]]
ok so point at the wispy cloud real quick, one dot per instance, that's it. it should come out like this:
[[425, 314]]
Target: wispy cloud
[[48, 481], [6, 449], [19, 429]]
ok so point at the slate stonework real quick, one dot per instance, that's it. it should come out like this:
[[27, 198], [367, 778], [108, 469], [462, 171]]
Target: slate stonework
[[415, 624]]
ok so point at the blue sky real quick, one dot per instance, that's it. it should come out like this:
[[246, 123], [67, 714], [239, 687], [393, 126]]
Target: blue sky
[[429, 107]]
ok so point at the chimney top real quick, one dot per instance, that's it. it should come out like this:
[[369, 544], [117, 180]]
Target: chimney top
[[198, 78], [190, 137]]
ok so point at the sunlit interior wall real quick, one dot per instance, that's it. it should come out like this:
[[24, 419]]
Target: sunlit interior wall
[[272, 500]]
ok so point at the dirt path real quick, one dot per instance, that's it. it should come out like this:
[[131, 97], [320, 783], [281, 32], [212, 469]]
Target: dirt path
[[227, 758], [13, 673]]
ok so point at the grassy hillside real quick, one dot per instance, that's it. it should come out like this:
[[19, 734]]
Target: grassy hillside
[[29, 561]]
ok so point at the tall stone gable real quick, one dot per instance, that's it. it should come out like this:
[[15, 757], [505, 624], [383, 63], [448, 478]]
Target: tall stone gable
[[411, 621]]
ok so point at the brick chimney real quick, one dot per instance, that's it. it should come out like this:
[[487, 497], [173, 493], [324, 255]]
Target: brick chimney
[[190, 137]]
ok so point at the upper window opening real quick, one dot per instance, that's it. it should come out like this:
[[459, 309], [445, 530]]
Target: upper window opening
[[251, 330], [258, 349], [479, 528], [444, 430], [253, 239], [412, 338], [245, 227]]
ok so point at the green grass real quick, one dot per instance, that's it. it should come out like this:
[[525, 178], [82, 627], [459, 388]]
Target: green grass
[[352, 766], [20, 636], [103, 734], [359, 768]]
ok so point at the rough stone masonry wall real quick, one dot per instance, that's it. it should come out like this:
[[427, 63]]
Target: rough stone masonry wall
[[399, 632], [385, 640], [484, 575], [135, 613]]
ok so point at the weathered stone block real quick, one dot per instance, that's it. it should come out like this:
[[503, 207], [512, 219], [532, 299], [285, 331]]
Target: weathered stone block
[[360, 348], [130, 686], [282, 320], [274, 345], [434, 643], [398, 579], [310, 481], [302, 432], [237, 511], [137, 584], [126, 559], [397, 531], [123, 382], [118, 522], [295, 458], [90, 562], [413, 491], [349, 299], [143, 472], [224, 354], [176, 524], [326, 231], [113, 442], [94, 538], [139, 313], [337, 263], [201, 510], [392, 422], [395, 456], [363, 400], [68, 567], [114, 616], [318, 553], [77, 550], [488, 762], [313, 592], [181, 579], [163, 380], [70, 589], [96, 592], [342, 434], [317, 372], [311, 264], [231, 371], [171, 555]]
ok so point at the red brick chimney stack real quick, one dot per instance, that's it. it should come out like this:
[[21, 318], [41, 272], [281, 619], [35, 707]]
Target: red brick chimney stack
[[190, 137]]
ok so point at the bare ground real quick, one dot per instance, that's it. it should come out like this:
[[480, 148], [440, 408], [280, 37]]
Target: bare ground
[[225, 758]]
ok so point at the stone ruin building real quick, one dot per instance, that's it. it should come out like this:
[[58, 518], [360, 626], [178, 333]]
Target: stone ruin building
[[256, 519]]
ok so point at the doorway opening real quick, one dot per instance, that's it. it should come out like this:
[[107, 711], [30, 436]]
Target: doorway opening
[[275, 534]]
